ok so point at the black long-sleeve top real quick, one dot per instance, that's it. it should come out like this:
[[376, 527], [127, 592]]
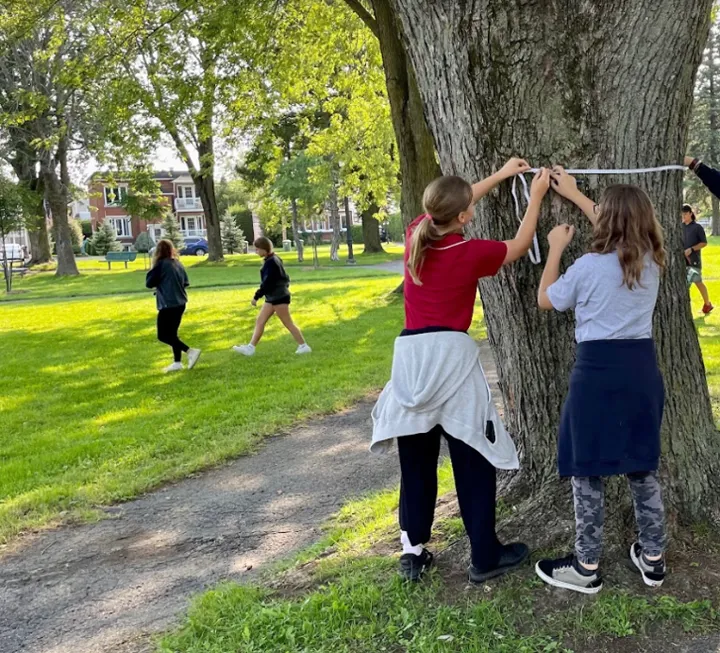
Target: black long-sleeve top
[[709, 177], [169, 279], [275, 282]]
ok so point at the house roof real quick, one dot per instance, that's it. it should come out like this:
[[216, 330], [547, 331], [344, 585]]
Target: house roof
[[185, 179], [158, 175]]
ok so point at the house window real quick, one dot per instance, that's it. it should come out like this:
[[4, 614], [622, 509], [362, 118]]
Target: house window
[[114, 195], [187, 191], [121, 226], [191, 224]]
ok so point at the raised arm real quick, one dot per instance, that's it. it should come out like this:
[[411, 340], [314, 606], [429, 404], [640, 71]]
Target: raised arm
[[510, 169], [559, 238], [519, 246], [566, 186], [708, 176]]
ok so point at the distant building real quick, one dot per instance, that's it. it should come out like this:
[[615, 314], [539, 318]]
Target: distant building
[[178, 189]]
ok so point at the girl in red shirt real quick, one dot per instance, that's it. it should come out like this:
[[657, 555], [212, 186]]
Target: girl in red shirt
[[438, 387]]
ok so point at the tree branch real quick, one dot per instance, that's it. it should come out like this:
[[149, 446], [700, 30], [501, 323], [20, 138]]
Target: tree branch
[[364, 15]]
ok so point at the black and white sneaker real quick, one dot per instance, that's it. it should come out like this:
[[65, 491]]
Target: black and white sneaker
[[568, 574], [413, 567], [511, 557], [653, 572]]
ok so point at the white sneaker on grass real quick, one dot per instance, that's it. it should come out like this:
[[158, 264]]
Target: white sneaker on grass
[[192, 356], [175, 367], [245, 350], [303, 349], [653, 571]]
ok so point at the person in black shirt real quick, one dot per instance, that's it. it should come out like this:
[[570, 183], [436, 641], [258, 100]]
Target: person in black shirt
[[694, 240], [275, 287], [169, 279]]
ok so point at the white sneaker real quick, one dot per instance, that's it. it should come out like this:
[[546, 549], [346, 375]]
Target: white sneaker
[[175, 367], [192, 356], [303, 349], [245, 350]]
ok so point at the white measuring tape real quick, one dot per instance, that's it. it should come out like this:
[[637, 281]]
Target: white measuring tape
[[534, 253]]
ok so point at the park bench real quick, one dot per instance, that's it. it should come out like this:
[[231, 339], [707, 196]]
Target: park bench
[[115, 257]]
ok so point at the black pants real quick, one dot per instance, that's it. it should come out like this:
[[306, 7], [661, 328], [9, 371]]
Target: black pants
[[476, 491], [168, 323]]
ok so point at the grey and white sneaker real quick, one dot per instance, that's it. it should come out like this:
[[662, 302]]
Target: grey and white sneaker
[[568, 574], [303, 349], [245, 350], [192, 356], [652, 571]]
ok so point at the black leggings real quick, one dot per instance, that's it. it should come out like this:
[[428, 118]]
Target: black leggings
[[475, 485], [168, 323]]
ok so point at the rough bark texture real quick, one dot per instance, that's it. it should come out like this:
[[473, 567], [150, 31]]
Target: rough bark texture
[[371, 230], [297, 232], [56, 195], [587, 84], [713, 144]]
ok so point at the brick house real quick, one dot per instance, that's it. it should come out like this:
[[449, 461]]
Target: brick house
[[178, 190]]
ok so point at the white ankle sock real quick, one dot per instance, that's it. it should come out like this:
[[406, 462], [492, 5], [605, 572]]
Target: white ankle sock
[[416, 549]]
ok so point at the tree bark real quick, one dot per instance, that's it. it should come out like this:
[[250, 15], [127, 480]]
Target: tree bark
[[24, 163], [205, 185], [589, 85], [297, 232], [418, 163], [371, 230], [56, 195], [334, 211]]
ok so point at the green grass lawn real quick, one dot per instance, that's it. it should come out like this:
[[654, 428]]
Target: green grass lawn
[[96, 279], [89, 418]]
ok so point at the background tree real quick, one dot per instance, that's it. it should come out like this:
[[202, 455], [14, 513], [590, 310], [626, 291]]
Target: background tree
[[572, 83], [232, 235], [188, 74], [416, 150], [143, 243], [45, 64], [105, 240], [703, 138], [171, 230], [11, 219]]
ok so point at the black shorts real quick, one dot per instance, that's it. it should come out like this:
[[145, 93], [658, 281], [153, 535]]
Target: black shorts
[[279, 301]]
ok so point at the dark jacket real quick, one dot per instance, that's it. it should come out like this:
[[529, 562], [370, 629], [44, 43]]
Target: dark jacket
[[710, 177], [274, 281], [169, 279]]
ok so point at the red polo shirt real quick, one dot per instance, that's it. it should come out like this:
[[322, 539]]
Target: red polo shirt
[[449, 275]]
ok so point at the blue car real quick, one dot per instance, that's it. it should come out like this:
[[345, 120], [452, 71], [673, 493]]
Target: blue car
[[194, 247]]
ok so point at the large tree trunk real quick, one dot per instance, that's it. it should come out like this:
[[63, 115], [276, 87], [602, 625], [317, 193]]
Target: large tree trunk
[[586, 84], [205, 186], [24, 162], [297, 232], [371, 230], [713, 140], [334, 211], [418, 163], [56, 195]]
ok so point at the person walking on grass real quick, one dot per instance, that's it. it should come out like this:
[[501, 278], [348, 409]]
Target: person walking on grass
[[169, 279], [610, 422], [275, 287], [438, 387], [694, 239]]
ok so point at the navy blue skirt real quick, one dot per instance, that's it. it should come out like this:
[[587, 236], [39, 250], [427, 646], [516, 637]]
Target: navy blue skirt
[[611, 418]]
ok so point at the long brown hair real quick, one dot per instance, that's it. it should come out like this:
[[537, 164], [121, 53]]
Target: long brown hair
[[626, 224], [444, 199], [164, 249]]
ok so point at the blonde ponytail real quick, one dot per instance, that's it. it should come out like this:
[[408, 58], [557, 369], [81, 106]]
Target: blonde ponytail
[[444, 199]]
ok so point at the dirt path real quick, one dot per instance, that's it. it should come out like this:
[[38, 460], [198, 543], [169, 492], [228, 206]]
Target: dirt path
[[111, 585]]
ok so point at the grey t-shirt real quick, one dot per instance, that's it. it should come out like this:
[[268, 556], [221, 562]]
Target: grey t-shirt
[[605, 308]]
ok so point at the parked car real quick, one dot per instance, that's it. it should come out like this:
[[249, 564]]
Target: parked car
[[194, 247]]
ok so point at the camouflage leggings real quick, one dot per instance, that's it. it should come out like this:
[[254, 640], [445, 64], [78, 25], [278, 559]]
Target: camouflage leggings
[[589, 494]]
